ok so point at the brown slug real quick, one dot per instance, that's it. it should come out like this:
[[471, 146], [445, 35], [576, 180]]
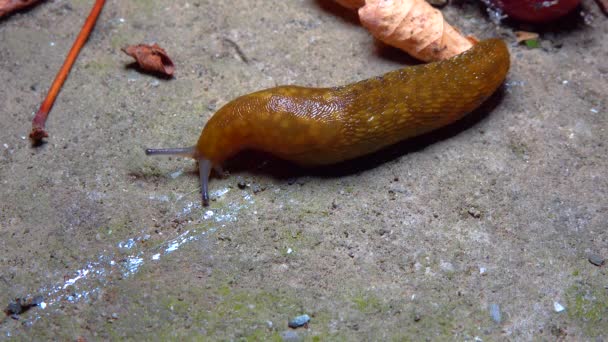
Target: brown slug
[[317, 126]]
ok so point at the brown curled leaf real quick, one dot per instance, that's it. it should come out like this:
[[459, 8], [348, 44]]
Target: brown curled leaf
[[151, 58], [9, 6]]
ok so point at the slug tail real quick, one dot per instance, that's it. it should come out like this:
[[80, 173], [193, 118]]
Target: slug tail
[[178, 151], [204, 169]]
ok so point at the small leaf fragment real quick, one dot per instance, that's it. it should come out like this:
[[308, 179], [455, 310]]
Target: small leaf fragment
[[522, 36], [532, 43], [151, 58]]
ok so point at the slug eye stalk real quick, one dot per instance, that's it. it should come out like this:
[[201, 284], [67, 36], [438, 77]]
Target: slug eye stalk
[[204, 166]]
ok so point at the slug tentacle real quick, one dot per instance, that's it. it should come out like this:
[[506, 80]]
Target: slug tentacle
[[204, 170], [177, 151]]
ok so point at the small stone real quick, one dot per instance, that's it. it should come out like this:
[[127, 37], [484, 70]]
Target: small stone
[[14, 308], [114, 315], [37, 300], [334, 205], [258, 188], [290, 336], [446, 266], [495, 313], [241, 183], [474, 212], [299, 321], [383, 231], [596, 260], [417, 317]]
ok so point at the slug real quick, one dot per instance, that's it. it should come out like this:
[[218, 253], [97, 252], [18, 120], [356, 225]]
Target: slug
[[319, 126]]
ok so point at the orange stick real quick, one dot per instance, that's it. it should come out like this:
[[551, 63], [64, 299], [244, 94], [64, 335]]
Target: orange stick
[[38, 131]]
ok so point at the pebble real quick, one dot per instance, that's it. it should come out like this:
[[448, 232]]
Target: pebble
[[474, 212], [495, 312], [14, 308], [258, 188], [241, 183], [290, 335], [596, 260], [558, 307], [37, 300], [299, 321]]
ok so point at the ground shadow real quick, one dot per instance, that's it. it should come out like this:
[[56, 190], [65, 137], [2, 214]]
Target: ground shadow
[[159, 75], [335, 9]]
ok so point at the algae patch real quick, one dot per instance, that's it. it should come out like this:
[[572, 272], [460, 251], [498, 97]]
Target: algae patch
[[587, 305]]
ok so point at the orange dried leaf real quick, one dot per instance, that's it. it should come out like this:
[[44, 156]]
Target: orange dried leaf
[[413, 26], [151, 58], [8, 6]]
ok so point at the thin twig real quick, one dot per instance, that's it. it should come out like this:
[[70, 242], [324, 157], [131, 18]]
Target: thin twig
[[38, 132]]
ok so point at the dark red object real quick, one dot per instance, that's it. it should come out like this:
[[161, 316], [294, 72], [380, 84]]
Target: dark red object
[[536, 11], [151, 58]]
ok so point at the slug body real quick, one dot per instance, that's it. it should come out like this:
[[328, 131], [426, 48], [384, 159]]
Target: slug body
[[317, 126]]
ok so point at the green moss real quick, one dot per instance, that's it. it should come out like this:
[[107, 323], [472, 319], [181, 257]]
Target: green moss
[[99, 65], [519, 149], [119, 41], [588, 305], [368, 303], [224, 290]]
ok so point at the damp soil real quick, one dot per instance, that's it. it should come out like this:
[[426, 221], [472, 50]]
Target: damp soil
[[482, 231]]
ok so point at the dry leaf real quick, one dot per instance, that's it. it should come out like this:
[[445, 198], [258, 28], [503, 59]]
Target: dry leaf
[[8, 6], [522, 36], [415, 27], [151, 58]]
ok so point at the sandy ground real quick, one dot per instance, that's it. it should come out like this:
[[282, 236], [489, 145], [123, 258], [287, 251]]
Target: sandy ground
[[482, 231]]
